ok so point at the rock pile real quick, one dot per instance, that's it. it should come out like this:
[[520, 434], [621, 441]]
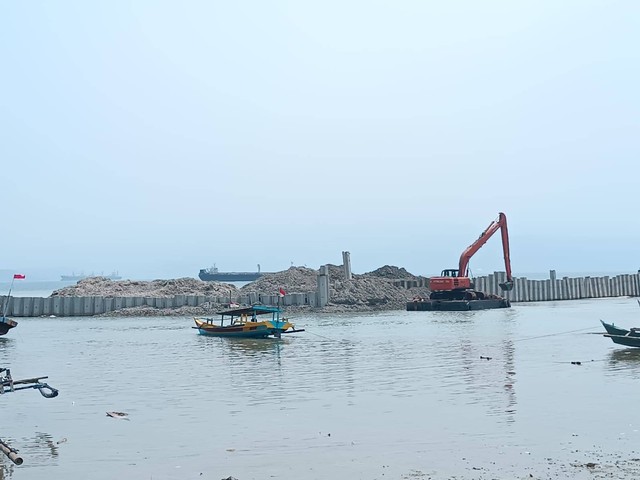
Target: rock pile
[[102, 286], [391, 272], [366, 292], [293, 280]]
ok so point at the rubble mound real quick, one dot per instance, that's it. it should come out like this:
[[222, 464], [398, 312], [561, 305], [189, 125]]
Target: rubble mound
[[364, 293], [367, 292], [102, 286], [293, 280], [335, 272], [373, 291], [392, 272]]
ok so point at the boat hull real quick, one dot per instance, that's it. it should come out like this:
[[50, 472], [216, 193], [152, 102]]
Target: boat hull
[[6, 324], [229, 276], [458, 305], [613, 330], [626, 340], [243, 330]]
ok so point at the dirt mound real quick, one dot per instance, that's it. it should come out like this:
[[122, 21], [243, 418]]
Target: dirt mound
[[370, 291], [101, 286], [367, 292], [390, 271], [293, 280]]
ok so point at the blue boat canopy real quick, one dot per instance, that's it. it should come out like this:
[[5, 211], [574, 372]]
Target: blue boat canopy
[[252, 310]]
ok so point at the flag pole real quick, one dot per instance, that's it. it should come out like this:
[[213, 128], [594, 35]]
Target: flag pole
[[6, 305]]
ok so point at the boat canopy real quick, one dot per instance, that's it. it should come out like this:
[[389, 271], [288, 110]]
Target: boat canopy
[[252, 310]]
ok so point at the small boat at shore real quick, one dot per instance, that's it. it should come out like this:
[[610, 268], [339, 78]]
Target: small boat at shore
[[622, 336], [244, 322], [7, 323], [613, 330]]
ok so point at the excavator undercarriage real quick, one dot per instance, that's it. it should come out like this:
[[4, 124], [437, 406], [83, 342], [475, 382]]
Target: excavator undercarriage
[[458, 295]]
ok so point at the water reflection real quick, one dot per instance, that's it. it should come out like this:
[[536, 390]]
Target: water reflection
[[6, 468], [257, 351], [7, 344], [490, 380], [624, 359], [454, 317], [35, 451], [49, 447], [509, 378], [249, 347]]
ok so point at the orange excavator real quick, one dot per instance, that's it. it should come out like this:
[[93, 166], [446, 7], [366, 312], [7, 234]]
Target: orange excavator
[[455, 284]]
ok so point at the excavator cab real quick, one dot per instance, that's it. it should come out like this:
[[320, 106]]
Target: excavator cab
[[449, 272]]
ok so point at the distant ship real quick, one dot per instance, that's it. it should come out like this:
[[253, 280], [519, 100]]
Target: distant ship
[[212, 274], [74, 278]]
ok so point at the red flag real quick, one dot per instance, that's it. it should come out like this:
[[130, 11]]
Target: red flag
[[282, 292], [18, 276]]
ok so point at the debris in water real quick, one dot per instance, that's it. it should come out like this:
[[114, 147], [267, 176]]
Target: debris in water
[[118, 415]]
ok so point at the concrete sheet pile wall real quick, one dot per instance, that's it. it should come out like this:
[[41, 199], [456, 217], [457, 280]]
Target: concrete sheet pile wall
[[524, 290], [567, 288], [87, 306]]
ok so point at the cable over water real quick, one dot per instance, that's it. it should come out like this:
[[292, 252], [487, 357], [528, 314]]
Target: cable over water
[[555, 334]]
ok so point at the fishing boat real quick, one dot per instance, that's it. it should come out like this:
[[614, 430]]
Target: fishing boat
[[7, 323], [77, 277], [622, 336], [613, 330], [244, 322], [212, 274]]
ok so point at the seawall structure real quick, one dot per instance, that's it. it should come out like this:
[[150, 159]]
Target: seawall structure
[[566, 288], [525, 290]]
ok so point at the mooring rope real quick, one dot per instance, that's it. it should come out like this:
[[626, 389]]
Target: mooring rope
[[555, 334], [327, 338]]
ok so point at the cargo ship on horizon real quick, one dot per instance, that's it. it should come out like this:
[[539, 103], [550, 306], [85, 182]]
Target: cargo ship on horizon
[[76, 277], [212, 274]]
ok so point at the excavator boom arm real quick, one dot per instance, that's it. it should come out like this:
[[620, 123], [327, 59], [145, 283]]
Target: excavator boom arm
[[499, 224]]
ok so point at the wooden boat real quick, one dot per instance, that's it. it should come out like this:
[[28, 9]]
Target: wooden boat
[[622, 336], [626, 340], [613, 330], [244, 323], [6, 324]]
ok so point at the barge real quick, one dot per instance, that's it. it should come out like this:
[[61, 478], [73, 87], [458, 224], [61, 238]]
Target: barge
[[457, 305]]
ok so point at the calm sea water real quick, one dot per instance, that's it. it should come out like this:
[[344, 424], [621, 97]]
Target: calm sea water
[[30, 288], [395, 395]]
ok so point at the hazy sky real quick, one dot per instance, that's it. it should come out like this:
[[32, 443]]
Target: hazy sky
[[158, 137]]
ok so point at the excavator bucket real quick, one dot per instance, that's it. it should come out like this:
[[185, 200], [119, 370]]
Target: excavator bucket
[[506, 286]]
